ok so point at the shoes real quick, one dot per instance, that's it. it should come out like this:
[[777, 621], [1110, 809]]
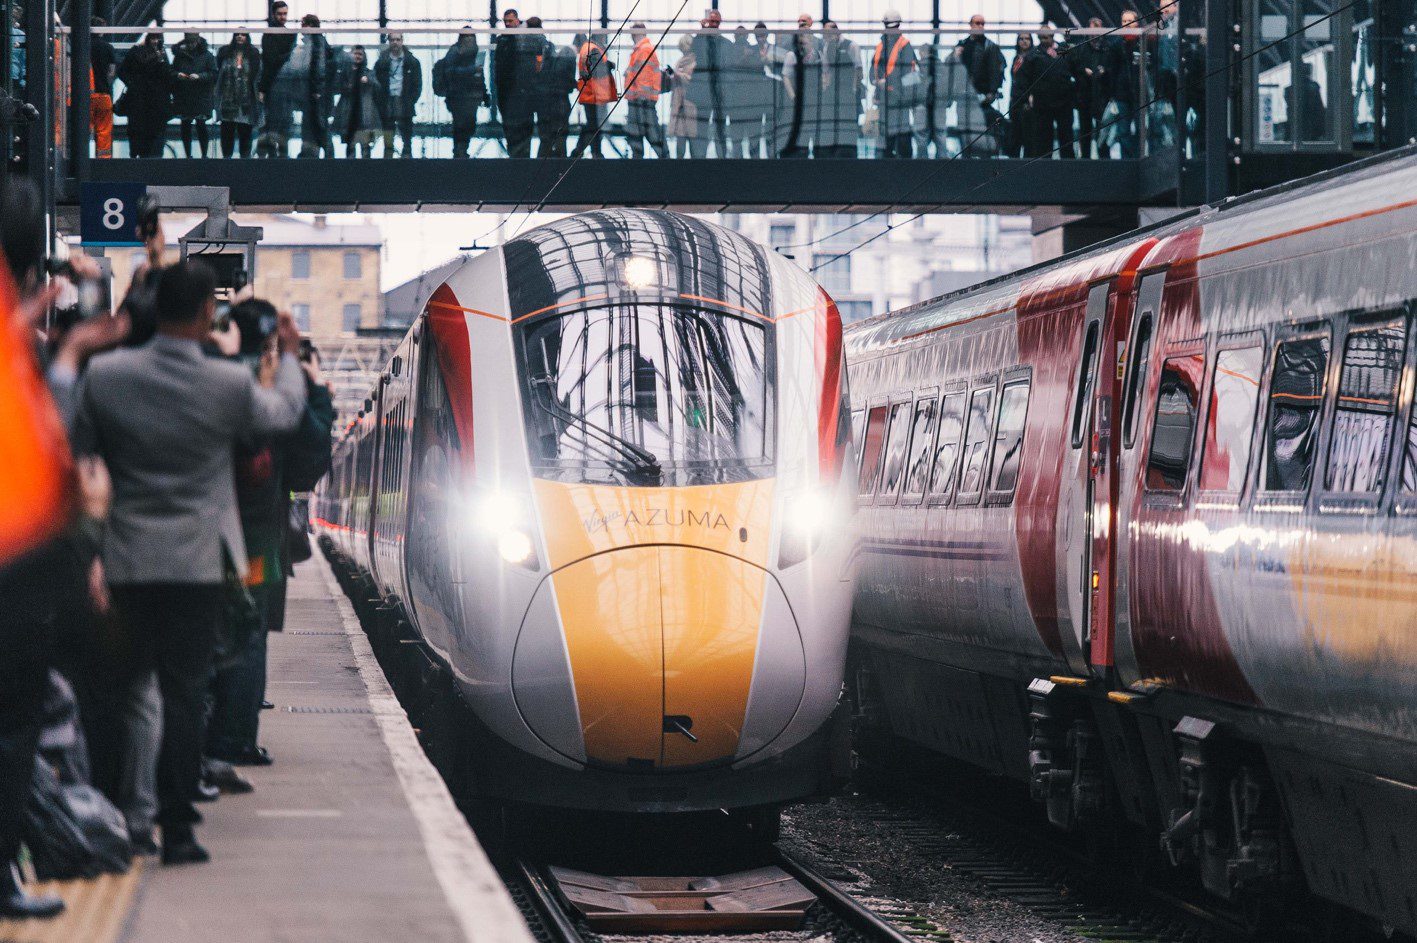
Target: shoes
[[15, 904], [143, 844], [267, 706], [179, 846], [206, 792], [250, 756], [224, 776]]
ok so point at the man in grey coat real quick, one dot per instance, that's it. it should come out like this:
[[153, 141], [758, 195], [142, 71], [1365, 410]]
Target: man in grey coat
[[164, 417]]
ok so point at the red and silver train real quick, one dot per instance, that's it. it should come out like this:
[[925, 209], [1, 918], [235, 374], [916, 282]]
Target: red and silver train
[[602, 481], [1139, 527]]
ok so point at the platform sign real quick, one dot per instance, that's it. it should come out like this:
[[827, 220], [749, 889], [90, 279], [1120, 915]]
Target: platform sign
[[108, 213]]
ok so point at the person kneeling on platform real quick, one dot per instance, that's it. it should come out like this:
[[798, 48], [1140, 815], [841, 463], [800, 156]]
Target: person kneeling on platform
[[166, 418]]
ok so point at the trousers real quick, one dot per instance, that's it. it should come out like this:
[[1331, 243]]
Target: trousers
[[239, 688], [171, 629]]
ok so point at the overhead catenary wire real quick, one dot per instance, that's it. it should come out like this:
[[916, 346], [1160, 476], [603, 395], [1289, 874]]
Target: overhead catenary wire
[[1027, 163]]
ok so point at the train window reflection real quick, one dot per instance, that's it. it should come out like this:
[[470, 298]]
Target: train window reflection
[[947, 443], [1173, 432], [858, 426], [648, 395], [1137, 361], [1295, 403], [1233, 398], [1087, 377], [1008, 438], [922, 438], [976, 441], [1367, 405], [871, 450], [897, 447]]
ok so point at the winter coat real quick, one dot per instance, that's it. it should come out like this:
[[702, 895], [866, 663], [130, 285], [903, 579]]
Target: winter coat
[[275, 50], [308, 75], [683, 112], [1050, 79], [984, 62], [457, 77], [1092, 90], [1124, 71], [712, 53], [515, 80], [238, 81], [147, 76], [405, 105], [359, 98], [838, 116], [746, 92], [193, 98], [555, 79]]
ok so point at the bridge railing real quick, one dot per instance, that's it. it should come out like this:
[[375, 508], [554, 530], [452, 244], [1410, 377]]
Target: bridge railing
[[658, 93]]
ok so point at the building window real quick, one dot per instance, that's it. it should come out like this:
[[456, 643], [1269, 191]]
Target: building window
[[832, 271], [351, 316], [781, 234], [300, 264], [353, 265], [302, 316], [856, 310]]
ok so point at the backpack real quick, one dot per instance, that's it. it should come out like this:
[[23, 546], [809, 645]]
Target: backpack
[[72, 830]]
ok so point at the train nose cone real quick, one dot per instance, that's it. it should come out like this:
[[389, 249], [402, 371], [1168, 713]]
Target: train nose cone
[[663, 645]]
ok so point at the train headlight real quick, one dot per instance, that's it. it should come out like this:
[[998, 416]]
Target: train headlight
[[507, 520], [808, 517], [639, 272]]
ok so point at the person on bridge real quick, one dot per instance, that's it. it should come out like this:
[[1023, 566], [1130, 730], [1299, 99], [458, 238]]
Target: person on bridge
[[896, 77], [275, 52], [843, 92], [194, 68], [1020, 126], [103, 66], [643, 84], [166, 418], [595, 90], [984, 61], [514, 84], [357, 117], [147, 101], [683, 113], [554, 82], [802, 83], [458, 80], [1090, 75], [400, 84], [1049, 78], [1124, 64], [711, 57], [745, 96], [237, 93]]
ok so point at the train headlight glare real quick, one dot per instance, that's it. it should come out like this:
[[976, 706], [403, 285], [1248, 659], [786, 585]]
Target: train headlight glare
[[640, 272], [514, 546], [807, 517]]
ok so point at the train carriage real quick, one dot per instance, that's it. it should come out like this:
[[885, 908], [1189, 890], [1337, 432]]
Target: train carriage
[[1137, 529]]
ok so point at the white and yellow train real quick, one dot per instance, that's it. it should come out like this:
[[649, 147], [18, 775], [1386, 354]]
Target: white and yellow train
[[601, 480]]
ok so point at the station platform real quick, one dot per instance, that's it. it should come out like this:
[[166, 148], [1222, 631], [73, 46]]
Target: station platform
[[350, 836]]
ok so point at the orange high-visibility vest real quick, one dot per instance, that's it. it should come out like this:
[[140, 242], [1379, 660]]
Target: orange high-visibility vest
[[900, 43], [642, 78], [597, 88], [36, 471]]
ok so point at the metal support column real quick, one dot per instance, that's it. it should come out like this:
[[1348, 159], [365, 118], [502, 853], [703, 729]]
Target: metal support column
[[1222, 44], [39, 90], [384, 14], [604, 17], [7, 130], [80, 88], [493, 17]]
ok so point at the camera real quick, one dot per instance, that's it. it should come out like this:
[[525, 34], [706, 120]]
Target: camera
[[91, 293]]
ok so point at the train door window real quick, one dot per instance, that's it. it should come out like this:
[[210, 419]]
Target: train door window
[[858, 425], [1139, 353], [1087, 363], [1367, 408], [1296, 395], [871, 448], [896, 450], [976, 444], [1008, 438], [951, 427], [1173, 431], [922, 448], [1234, 394]]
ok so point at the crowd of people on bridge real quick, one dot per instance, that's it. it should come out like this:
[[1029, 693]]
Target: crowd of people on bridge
[[748, 93], [148, 460]]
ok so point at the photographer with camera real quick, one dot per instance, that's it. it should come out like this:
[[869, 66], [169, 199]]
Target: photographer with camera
[[166, 418]]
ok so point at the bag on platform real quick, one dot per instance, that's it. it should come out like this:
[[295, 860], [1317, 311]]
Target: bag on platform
[[297, 532]]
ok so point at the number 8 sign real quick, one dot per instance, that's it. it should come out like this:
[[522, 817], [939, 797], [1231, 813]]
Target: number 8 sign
[[108, 213]]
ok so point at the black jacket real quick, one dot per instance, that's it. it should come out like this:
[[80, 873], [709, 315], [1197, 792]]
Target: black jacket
[[148, 77], [984, 61], [193, 99], [514, 71], [404, 105], [275, 52], [458, 78], [1124, 70], [1049, 79]]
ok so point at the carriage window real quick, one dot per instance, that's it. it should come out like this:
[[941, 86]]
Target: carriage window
[[871, 450], [922, 439], [1136, 378], [976, 441], [1230, 429], [1367, 406], [1087, 378], [1173, 432], [1295, 401], [1008, 438], [947, 443], [897, 447], [858, 425]]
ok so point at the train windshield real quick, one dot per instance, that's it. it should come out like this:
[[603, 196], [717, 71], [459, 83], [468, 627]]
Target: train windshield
[[648, 395]]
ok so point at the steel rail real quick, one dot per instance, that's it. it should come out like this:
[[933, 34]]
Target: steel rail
[[548, 903], [855, 914]]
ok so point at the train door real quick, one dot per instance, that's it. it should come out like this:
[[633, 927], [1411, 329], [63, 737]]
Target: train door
[[1084, 507]]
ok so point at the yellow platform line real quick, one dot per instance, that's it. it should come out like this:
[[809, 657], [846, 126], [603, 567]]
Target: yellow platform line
[[94, 912]]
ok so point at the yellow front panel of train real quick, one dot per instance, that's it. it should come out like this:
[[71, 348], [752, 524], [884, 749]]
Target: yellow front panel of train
[[660, 592]]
